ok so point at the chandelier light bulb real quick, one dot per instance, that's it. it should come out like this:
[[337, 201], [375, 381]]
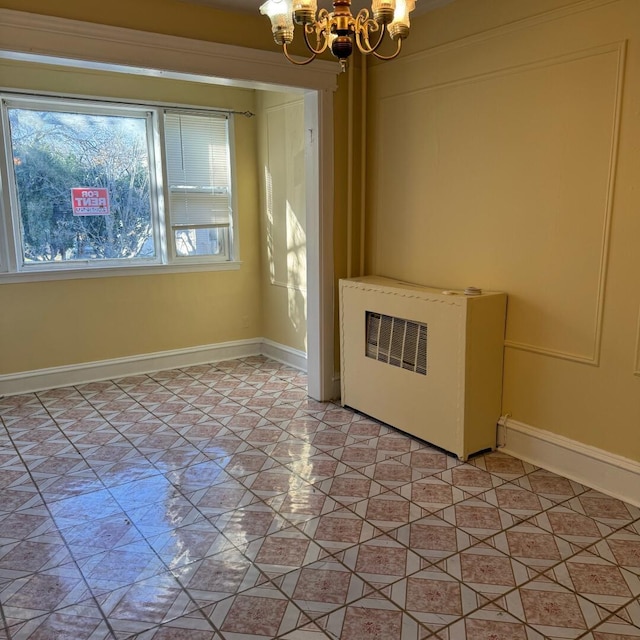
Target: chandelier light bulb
[[281, 15], [401, 24], [304, 11], [383, 10]]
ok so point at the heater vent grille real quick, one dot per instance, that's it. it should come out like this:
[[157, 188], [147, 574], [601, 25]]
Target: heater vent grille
[[396, 341]]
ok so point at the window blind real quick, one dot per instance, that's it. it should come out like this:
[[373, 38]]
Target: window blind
[[198, 169]]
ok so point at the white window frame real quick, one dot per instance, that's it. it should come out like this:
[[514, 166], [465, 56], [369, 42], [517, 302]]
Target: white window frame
[[166, 260]]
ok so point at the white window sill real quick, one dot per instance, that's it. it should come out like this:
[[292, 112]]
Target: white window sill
[[115, 272]]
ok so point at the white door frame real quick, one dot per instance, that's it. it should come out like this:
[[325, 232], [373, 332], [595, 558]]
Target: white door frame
[[70, 42]]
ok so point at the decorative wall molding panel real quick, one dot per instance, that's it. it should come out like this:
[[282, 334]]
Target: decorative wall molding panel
[[608, 63], [593, 357]]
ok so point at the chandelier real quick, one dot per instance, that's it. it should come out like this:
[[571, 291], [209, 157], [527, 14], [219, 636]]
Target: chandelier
[[338, 30]]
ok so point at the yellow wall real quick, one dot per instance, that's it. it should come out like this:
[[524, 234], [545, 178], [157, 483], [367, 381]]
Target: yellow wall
[[53, 323], [503, 153], [283, 228]]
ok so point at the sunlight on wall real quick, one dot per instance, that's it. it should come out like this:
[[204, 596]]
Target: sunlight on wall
[[296, 271], [268, 189], [282, 153]]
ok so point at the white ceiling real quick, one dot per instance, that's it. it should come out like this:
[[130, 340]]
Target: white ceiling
[[249, 6]]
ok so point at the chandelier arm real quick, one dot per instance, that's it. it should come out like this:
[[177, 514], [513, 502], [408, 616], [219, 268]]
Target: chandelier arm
[[363, 29], [298, 62], [392, 56], [313, 29]]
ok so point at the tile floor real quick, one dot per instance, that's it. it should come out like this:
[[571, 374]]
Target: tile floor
[[219, 503]]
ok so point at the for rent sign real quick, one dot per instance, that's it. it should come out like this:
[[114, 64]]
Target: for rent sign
[[89, 201]]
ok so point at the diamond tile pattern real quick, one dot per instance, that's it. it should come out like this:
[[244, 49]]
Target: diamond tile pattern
[[219, 502]]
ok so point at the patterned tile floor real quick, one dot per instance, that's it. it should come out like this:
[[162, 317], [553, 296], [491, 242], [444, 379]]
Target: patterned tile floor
[[219, 503]]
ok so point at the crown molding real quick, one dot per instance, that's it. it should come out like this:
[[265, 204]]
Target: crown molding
[[32, 35]]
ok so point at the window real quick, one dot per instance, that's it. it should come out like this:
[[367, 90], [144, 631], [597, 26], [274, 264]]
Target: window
[[199, 182], [98, 185]]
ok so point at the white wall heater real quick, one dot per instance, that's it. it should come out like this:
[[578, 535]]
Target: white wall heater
[[426, 361]]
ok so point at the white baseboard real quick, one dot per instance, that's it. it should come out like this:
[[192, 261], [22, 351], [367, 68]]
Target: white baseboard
[[40, 379], [607, 472], [288, 355]]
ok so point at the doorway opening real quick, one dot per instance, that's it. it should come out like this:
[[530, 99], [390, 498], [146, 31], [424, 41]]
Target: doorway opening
[[114, 50]]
